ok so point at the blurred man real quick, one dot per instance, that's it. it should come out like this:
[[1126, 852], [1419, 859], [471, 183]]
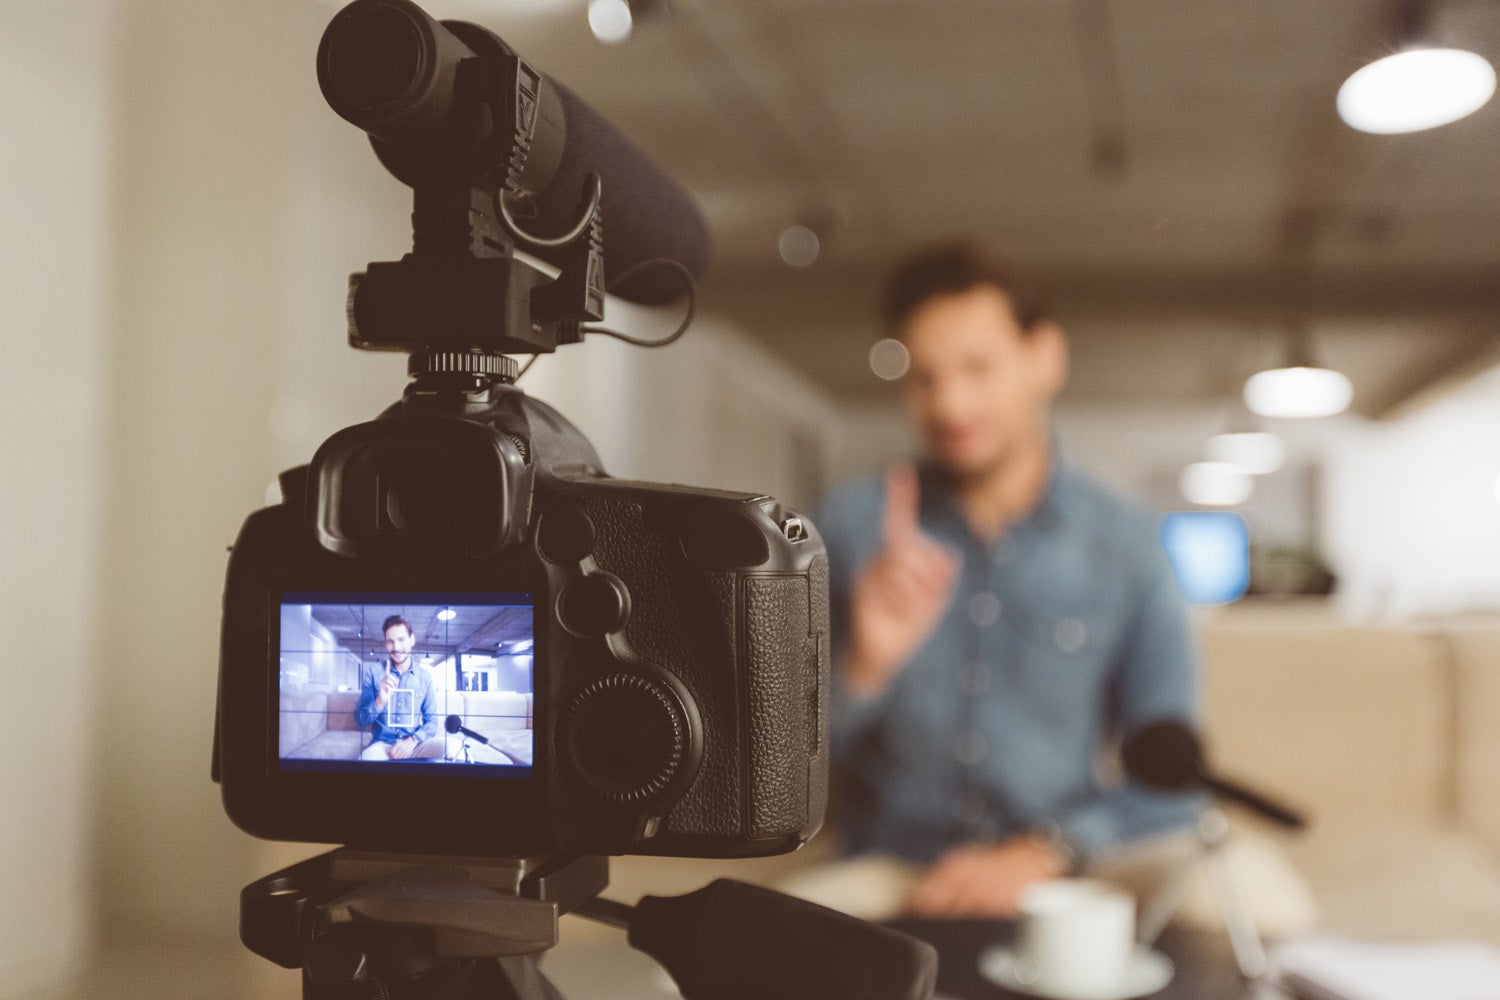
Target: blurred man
[[999, 615], [399, 702]]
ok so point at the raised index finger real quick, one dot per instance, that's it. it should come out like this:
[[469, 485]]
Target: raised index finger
[[901, 503]]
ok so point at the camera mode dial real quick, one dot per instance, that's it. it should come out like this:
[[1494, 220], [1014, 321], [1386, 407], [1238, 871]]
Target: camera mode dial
[[626, 736]]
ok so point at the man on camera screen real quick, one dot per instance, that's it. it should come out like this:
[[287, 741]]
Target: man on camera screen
[[398, 702], [998, 614]]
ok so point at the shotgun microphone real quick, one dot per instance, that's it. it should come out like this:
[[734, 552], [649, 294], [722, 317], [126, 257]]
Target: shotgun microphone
[[1168, 756], [396, 72]]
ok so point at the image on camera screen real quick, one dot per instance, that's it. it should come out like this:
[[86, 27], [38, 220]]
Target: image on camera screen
[[412, 683]]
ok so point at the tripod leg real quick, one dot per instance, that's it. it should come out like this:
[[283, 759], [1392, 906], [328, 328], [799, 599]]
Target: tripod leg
[[1238, 921], [1167, 900]]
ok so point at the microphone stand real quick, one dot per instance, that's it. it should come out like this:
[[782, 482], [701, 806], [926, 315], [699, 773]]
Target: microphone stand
[[1244, 938]]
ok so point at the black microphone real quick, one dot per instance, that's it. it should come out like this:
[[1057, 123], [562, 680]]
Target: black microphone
[[390, 68], [455, 724], [1167, 755]]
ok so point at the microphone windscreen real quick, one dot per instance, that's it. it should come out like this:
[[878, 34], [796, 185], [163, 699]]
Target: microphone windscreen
[[453, 724], [1164, 754], [645, 213]]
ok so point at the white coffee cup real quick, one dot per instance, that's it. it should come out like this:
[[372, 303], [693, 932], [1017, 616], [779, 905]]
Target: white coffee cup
[[1076, 938]]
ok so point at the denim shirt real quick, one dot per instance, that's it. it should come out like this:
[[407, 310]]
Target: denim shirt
[[1066, 632], [424, 698]]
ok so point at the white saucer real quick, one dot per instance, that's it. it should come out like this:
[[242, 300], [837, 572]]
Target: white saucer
[[1149, 971]]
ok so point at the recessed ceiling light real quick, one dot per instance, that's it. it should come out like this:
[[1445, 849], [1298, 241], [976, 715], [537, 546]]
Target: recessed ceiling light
[[1419, 88], [1298, 391], [1216, 484]]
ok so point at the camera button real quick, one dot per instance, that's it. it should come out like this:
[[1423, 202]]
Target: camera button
[[566, 535], [596, 604]]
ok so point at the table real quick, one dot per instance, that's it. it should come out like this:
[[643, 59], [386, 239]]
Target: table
[[1205, 964]]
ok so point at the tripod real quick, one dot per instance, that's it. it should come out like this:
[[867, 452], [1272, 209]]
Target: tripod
[[368, 926], [1244, 939]]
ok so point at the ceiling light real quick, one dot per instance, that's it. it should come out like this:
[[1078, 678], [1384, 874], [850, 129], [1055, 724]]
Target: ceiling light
[[1298, 392], [610, 20], [447, 615], [1299, 387], [522, 645], [799, 245], [1256, 452], [889, 359], [1216, 484], [1417, 89]]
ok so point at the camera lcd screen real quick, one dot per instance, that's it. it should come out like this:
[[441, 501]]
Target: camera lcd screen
[[407, 683]]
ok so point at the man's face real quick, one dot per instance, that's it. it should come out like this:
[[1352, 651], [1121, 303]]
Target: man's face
[[979, 387], [398, 643]]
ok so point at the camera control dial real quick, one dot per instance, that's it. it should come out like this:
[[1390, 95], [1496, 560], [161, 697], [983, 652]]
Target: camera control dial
[[626, 736]]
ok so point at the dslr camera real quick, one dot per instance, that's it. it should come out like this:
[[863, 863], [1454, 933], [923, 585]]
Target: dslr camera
[[456, 634]]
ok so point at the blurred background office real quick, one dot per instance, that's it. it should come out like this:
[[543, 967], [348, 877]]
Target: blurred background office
[[179, 211]]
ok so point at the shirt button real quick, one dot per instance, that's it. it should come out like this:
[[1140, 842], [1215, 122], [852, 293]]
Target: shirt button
[[971, 748], [1070, 635], [976, 680], [984, 609]]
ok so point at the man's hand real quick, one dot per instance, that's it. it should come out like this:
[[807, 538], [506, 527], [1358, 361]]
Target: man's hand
[[985, 880], [403, 748], [383, 691], [898, 596]]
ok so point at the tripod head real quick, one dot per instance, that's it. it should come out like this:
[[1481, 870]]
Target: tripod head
[[365, 926]]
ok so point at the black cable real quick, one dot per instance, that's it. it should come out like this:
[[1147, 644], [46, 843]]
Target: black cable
[[525, 368], [687, 321], [595, 193]]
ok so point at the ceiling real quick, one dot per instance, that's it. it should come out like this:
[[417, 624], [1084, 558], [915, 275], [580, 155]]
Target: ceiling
[[473, 627], [1177, 171]]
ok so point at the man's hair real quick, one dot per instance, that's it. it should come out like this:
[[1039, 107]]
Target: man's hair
[[393, 621], [958, 266]]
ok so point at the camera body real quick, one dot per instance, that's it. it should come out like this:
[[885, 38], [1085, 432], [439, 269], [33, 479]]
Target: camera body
[[456, 634], [678, 643]]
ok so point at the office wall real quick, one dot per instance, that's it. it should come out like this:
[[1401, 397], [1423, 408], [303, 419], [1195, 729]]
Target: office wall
[[54, 177], [203, 156], [1412, 511], [714, 409]]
